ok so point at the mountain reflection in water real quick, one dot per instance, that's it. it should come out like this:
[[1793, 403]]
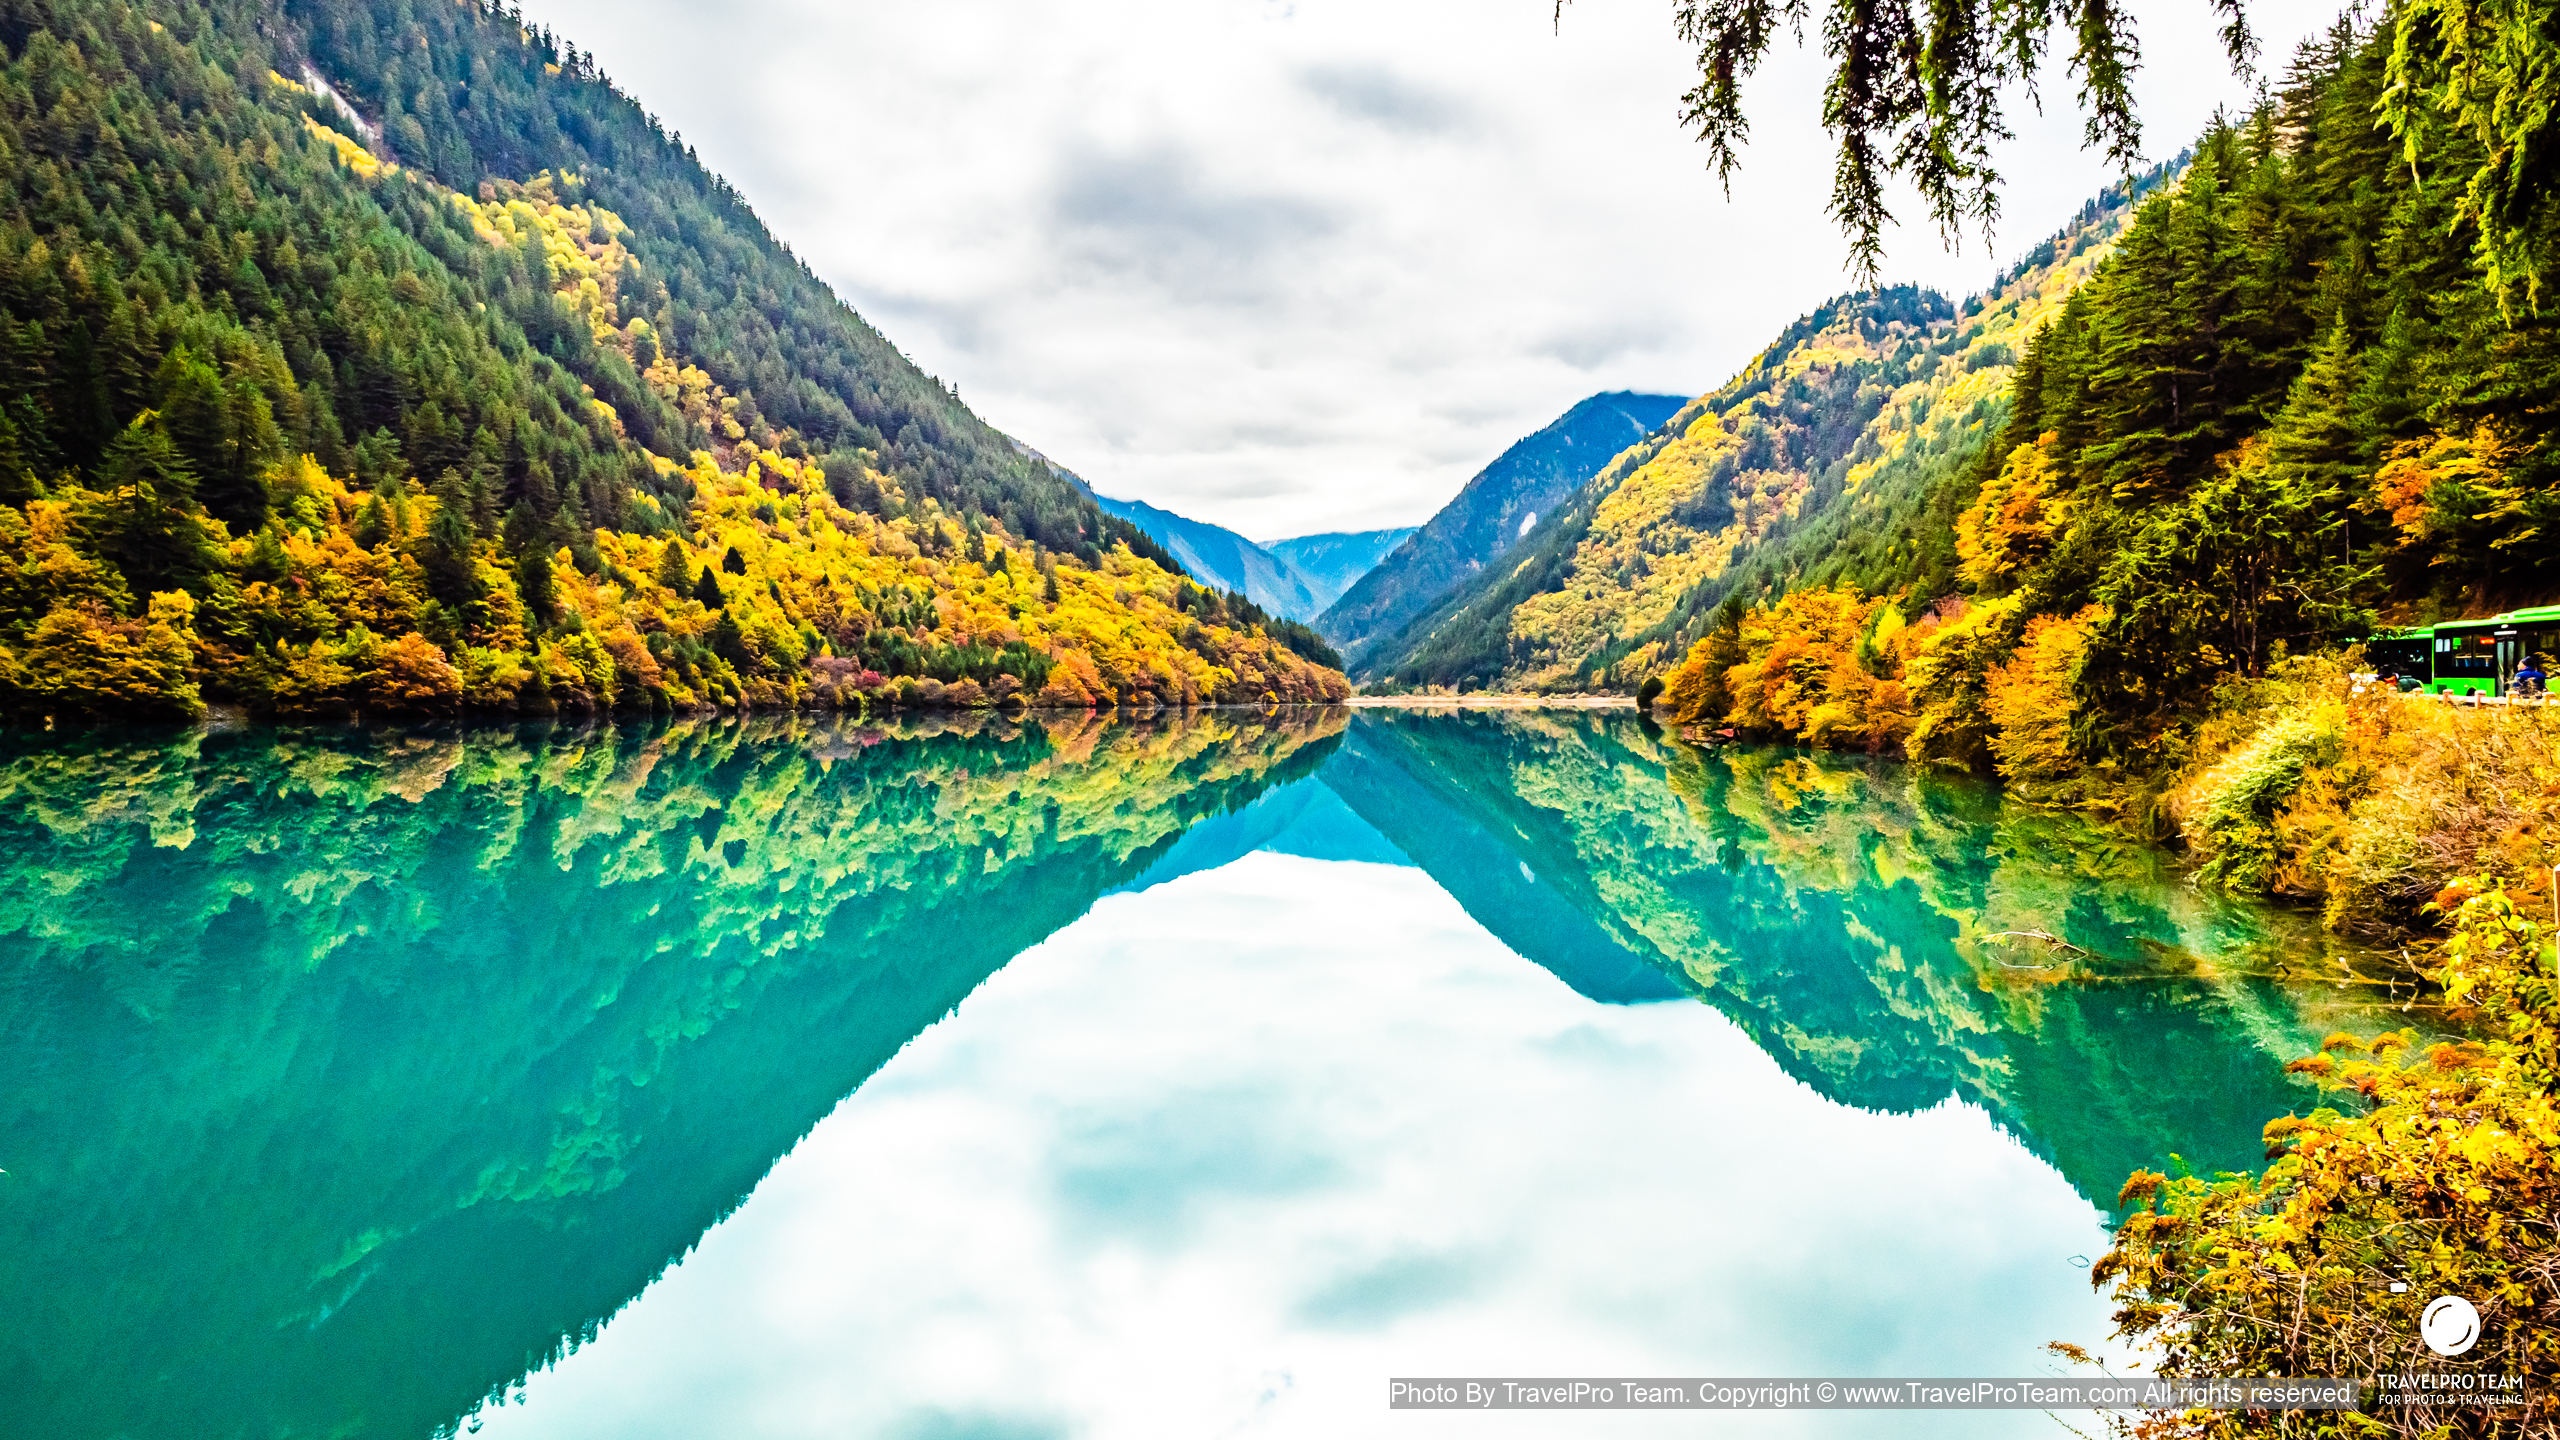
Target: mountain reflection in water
[[355, 1075]]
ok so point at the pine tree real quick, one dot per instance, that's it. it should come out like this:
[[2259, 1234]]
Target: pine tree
[[374, 524], [236, 490], [143, 453], [126, 365], [2319, 443], [533, 585], [151, 533], [378, 459], [18, 482], [445, 551], [195, 412], [729, 641]]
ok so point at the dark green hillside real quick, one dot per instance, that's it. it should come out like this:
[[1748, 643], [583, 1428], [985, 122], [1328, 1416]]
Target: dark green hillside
[[467, 94], [507, 405], [173, 240], [147, 133], [1489, 515]]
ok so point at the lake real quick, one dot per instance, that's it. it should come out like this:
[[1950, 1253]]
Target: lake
[[1181, 1076]]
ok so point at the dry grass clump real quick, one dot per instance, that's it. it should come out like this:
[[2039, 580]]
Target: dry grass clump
[[2316, 785]]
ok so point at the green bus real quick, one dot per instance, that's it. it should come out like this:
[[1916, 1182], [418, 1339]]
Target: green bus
[[2468, 657]]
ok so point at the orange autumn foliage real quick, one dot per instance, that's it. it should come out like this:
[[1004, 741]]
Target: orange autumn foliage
[[1841, 670]]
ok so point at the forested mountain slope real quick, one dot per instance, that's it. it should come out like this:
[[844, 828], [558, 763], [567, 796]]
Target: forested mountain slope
[[2305, 393], [1870, 399], [1489, 515], [510, 405]]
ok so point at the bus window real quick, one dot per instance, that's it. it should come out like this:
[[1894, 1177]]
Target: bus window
[[2466, 657], [2394, 658]]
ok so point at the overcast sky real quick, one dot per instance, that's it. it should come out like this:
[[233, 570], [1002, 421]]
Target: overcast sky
[[1293, 267]]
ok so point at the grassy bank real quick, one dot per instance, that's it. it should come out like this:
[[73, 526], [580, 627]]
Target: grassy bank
[[2320, 787], [2307, 784]]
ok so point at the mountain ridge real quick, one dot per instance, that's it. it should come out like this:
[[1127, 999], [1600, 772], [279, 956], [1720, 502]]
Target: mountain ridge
[[1334, 560], [1216, 553], [1894, 383], [513, 408], [1497, 507]]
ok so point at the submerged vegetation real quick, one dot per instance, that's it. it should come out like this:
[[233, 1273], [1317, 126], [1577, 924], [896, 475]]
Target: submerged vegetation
[[506, 407], [2432, 1175]]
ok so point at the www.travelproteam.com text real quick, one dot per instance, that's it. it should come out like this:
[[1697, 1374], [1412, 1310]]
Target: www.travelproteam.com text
[[2259, 1393]]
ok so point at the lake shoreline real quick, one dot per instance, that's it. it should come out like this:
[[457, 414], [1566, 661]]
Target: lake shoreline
[[1489, 702]]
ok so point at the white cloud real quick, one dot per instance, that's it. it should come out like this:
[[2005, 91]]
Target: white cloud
[[1307, 266]]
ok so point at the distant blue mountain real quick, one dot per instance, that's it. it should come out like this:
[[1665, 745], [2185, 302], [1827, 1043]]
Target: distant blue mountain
[[1215, 555], [1218, 556], [1502, 504], [1334, 562]]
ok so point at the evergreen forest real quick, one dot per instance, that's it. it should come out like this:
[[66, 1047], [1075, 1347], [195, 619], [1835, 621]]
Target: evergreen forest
[[2293, 388], [2305, 396], [385, 358]]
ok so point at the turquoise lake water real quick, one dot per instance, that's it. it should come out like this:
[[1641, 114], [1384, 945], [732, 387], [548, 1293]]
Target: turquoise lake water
[[1180, 1077]]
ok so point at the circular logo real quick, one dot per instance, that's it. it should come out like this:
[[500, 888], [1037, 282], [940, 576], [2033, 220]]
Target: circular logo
[[2450, 1325]]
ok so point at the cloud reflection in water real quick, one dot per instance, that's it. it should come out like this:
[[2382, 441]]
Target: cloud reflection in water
[[1227, 1153]]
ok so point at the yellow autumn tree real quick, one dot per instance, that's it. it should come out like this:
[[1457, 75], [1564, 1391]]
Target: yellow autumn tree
[[2012, 523], [2028, 701], [83, 659], [2445, 484], [1823, 666], [1948, 673]]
